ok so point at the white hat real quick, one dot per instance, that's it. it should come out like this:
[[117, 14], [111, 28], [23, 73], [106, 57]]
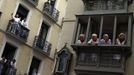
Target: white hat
[[94, 34]]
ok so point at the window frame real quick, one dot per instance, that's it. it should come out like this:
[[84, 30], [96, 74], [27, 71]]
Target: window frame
[[129, 25]]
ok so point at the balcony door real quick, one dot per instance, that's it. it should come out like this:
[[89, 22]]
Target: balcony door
[[9, 51], [22, 12], [42, 35]]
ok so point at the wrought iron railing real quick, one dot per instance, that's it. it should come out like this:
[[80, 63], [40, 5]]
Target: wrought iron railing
[[50, 10], [7, 68], [42, 44], [17, 30]]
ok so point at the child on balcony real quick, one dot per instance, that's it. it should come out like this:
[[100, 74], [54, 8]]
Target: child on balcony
[[121, 40]]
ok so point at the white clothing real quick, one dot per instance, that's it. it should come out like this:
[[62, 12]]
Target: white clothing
[[120, 43], [23, 23], [79, 42], [16, 19], [103, 42], [93, 42]]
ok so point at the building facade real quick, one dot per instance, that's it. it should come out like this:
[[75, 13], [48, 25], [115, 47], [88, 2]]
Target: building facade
[[29, 33], [51, 37], [99, 17]]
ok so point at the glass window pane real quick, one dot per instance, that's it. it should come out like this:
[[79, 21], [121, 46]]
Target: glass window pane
[[95, 25], [108, 25], [81, 29], [122, 28]]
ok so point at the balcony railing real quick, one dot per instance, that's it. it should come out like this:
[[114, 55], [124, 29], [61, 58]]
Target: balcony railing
[[7, 68], [101, 58], [42, 44], [110, 24], [17, 30], [50, 10]]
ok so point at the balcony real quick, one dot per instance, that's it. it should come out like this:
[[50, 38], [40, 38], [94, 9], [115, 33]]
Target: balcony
[[17, 31], [42, 45], [51, 11], [7, 68], [100, 24], [106, 6], [101, 59], [33, 2]]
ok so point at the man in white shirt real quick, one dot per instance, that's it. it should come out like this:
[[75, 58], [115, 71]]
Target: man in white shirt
[[15, 24]]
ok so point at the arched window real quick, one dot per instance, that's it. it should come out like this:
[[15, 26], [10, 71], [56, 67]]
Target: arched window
[[63, 58]]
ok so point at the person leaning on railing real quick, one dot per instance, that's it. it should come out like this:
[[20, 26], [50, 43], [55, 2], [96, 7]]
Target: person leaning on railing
[[14, 24], [23, 28], [94, 40], [2, 62], [121, 40], [105, 40], [81, 39], [10, 67]]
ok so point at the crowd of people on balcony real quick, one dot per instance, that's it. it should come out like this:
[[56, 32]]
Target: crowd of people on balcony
[[7, 67], [18, 26], [120, 40]]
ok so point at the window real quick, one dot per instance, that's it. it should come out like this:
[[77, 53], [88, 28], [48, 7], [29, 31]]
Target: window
[[43, 31], [49, 9], [41, 41], [111, 59], [88, 58], [111, 24], [9, 51], [95, 25], [108, 25], [100, 57], [22, 12], [52, 2], [62, 61], [34, 69]]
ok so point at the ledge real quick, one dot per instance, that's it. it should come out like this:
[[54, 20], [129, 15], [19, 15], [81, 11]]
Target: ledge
[[75, 46], [16, 37], [97, 70], [41, 51], [85, 48]]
